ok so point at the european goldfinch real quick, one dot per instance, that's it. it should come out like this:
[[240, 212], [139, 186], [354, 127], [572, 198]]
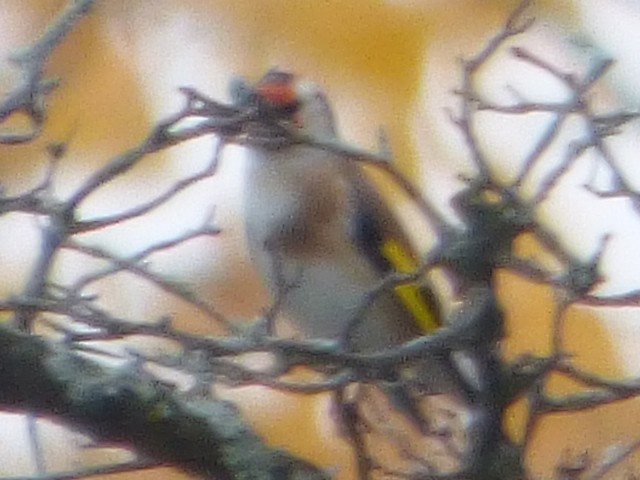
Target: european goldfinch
[[323, 238]]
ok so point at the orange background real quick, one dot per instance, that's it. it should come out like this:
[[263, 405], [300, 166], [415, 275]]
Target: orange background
[[373, 58]]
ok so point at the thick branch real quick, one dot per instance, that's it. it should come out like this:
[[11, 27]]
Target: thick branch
[[204, 437]]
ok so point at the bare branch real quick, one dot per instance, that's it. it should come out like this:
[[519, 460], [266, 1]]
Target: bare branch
[[120, 407], [29, 96]]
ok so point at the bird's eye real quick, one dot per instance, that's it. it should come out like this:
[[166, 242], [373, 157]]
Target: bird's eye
[[271, 111]]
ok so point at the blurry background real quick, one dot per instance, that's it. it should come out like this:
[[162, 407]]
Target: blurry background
[[391, 64]]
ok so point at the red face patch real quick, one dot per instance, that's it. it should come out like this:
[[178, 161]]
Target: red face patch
[[278, 94]]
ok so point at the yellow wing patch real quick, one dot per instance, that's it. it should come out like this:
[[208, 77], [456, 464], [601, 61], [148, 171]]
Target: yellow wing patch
[[409, 293]]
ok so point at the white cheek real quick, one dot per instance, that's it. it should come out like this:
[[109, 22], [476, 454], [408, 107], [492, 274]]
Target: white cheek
[[315, 114], [308, 91]]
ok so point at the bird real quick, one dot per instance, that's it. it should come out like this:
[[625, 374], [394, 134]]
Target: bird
[[323, 238]]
